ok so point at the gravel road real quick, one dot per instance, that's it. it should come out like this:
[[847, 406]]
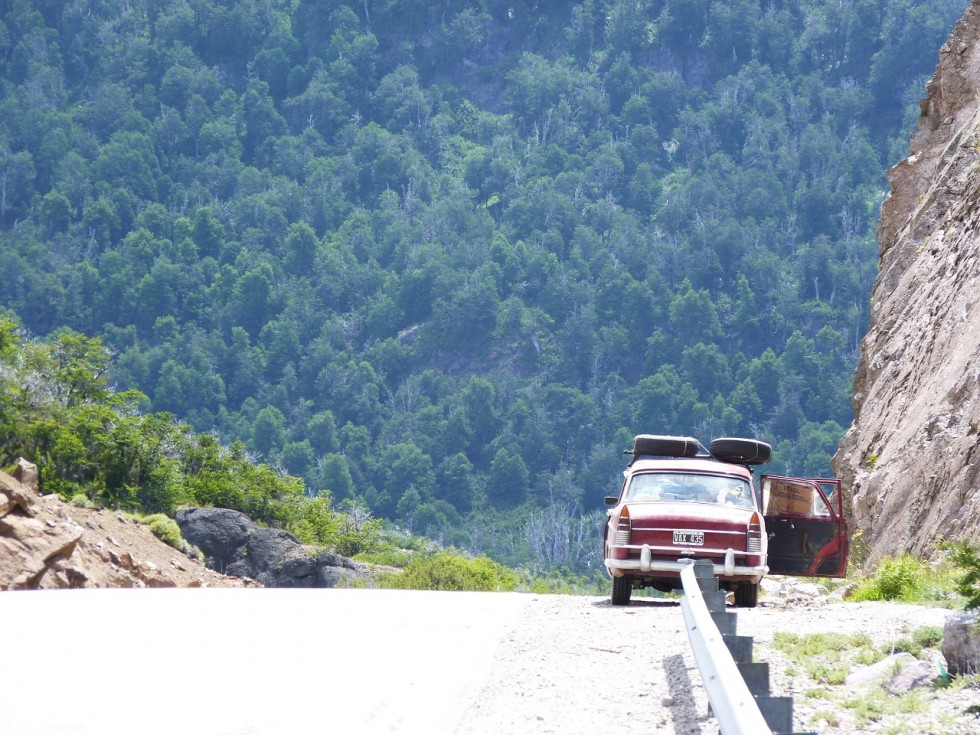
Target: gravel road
[[580, 665], [256, 662]]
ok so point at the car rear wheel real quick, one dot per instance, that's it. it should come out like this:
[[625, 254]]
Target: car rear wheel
[[621, 590], [746, 594], [742, 451]]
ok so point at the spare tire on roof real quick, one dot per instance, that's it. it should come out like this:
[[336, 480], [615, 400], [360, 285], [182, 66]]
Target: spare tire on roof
[[665, 446], [742, 451]]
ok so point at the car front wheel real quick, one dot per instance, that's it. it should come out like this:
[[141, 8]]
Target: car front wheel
[[621, 589]]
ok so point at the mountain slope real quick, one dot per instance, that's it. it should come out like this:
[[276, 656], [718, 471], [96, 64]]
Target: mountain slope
[[445, 260]]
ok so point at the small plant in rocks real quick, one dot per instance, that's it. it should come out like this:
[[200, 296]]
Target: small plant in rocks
[[826, 657], [929, 636], [876, 703]]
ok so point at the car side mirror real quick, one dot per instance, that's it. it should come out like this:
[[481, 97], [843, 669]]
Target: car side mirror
[[611, 499]]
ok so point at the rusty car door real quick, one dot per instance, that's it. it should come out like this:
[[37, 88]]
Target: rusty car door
[[808, 535]]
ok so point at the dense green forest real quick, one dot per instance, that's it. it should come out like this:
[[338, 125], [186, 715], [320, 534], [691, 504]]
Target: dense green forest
[[443, 260]]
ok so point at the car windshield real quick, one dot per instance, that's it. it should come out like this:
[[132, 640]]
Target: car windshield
[[691, 487]]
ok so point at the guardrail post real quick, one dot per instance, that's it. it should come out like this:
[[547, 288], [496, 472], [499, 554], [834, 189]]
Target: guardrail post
[[738, 688]]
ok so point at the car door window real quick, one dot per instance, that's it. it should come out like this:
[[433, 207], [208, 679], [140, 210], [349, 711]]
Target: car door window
[[784, 496]]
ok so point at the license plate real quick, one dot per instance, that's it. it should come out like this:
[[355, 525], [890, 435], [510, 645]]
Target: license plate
[[689, 538]]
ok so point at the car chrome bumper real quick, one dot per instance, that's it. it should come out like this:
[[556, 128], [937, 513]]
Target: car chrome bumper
[[646, 563]]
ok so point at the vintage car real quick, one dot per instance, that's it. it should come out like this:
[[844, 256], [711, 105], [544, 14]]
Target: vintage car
[[680, 502]]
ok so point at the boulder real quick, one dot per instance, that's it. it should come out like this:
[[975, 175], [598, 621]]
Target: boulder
[[234, 544], [961, 643], [17, 495], [913, 676], [881, 671], [219, 533]]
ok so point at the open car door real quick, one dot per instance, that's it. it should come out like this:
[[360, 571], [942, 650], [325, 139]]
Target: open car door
[[806, 526]]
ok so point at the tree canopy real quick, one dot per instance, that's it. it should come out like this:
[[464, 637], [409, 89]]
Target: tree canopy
[[445, 259]]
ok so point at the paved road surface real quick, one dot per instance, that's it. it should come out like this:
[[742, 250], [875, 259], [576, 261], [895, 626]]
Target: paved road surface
[[239, 661]]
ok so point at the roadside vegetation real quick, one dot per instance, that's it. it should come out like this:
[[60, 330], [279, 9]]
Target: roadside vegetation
[[96, 449], [906, 578], [821, 663], [824, 661], [951, 580]]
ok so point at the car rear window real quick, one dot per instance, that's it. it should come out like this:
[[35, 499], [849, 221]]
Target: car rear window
[[673, 487]]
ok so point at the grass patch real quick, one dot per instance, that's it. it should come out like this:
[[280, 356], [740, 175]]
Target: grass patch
[[905, 578], [818, 694], [826, 657], [828, 673], [877, 703], [800, 648], [929, 636], [830, 719]]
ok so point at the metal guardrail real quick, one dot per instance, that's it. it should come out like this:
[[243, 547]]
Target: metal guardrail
[[732, 702]]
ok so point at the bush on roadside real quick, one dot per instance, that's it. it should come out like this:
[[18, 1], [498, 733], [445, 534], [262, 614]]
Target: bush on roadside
[[905, 578], [451, 570], [967, 559], [81, 500], [165, 529], [929, 636]]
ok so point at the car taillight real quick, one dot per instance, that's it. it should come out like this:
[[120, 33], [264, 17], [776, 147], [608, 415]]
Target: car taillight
[[753, 541], [623, 528]]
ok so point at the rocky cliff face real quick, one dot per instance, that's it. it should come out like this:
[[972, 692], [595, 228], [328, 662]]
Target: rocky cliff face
[[911, 460]]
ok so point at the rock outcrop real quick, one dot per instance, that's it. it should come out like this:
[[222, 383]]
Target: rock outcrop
[[35, 548], [910, 460], [233, 544], [47, 544], [961, 643]]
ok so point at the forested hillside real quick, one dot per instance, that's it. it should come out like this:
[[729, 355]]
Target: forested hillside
[[445, 259]]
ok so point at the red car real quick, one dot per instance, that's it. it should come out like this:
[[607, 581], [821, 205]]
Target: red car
[[681, 502]]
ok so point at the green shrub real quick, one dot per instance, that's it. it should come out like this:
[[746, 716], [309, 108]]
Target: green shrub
[[316, 522], [905, 578], [81, 500], [165, 529], [965, 557], [929, 636], [451, 570]]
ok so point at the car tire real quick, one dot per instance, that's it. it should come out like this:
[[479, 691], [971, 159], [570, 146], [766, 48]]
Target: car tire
[[746, 594], [622, 587], [665, 446], [741, 451]]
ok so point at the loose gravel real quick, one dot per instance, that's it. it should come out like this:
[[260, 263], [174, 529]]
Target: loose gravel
[[580, 665]]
